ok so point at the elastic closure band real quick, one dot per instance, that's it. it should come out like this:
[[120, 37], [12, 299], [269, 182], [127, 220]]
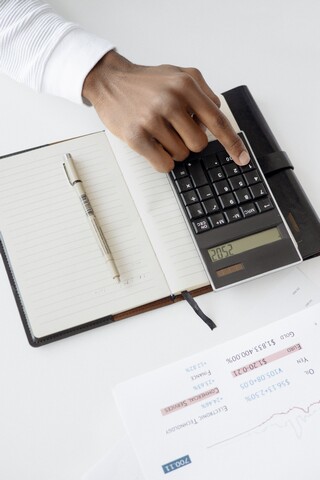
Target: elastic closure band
[[274, 162], [193, 304]]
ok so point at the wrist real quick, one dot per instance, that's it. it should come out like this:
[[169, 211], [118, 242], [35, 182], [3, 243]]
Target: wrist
[[103, 74]]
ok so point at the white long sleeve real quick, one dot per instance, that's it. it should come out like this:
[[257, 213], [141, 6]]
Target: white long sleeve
[[44, 51]]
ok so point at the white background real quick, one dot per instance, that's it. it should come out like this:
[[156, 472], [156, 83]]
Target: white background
[[57, 414]]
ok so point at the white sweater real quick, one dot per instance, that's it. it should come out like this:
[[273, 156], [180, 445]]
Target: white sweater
[[44, 51]]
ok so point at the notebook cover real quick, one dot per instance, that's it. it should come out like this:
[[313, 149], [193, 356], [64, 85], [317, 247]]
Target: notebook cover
[[292, 200]]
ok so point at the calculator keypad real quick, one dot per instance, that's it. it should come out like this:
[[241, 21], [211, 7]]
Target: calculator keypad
[[215, 191]]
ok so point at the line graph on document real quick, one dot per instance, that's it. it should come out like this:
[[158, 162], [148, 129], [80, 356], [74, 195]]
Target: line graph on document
[[295, 418]]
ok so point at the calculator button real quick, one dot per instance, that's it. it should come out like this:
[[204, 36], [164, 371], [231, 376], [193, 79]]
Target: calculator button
[[247, 168], [233, 214], [224, 157], [196, 173], [227, 200], [237, 182], [242, 195], [231, 169], [210, 206], [222, 187], [258, 190], [184, 184], [179, 171], [205, 192], [264, 205], [252, 177], [195, 211], [201, 225], [216, 174], [248, 210], [210, 161], [217, 220], [189, 197]]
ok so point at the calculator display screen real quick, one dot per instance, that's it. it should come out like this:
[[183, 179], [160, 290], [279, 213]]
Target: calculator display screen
[[244, 244]]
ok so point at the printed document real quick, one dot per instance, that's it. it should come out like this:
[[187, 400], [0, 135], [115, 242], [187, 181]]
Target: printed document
[[246, 409]]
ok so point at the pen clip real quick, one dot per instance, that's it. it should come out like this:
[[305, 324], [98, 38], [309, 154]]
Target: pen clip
[[70, 170], [66, 171]]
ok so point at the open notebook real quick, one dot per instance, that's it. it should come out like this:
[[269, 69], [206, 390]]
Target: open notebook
[[61, 281]]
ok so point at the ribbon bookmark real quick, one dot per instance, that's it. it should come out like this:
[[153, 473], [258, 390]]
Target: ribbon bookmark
[[193, 304]]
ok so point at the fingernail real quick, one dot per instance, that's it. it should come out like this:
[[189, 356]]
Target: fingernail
[[244, 157]]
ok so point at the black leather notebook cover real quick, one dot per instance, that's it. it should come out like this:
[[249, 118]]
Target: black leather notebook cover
[[292, 200]]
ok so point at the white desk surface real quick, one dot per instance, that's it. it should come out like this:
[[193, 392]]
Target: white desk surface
[[57, 414]]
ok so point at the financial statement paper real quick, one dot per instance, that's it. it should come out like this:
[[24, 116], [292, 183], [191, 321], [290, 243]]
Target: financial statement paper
[[249, 407]]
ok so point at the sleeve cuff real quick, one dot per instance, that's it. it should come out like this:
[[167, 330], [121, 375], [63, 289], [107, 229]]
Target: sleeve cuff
[[71, 61]]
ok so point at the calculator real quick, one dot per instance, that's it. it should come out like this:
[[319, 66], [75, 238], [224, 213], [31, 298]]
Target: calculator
[[235, 222]]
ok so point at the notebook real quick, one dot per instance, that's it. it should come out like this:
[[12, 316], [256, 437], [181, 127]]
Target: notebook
[[60, 280]]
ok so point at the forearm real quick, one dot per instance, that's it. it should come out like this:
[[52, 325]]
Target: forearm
[[158, 111], [44, 51]]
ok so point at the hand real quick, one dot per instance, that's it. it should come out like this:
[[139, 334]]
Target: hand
[[158, 111]]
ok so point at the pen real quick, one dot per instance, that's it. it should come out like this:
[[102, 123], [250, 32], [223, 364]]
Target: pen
[[77, 184]]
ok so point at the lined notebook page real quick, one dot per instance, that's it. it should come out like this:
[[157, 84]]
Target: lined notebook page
[[162, 219], [61, 274]]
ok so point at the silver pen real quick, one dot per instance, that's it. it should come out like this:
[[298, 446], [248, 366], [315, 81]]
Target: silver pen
[[77, 184]]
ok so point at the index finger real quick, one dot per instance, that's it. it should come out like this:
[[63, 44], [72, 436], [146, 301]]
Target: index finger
[[218, 124]]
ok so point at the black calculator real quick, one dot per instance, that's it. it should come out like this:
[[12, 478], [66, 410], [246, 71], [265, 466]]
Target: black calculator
[[234, 219]]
